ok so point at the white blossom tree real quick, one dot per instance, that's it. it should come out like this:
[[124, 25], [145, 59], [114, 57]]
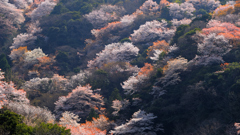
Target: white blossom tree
[[181, 11], [152, 31], [141, 123], [30, 57], [137, 81], [107, 13], [150, 6], [114, 52], [9, 93], [22, 4], [32, 115], [176, 22], [118, 105], [26, 39], [43, 9], [69, 118], [212, 49], [208, 5], [54, 84], [79, 101], [11, 12], [172, 70], [78, 79], [171, 76]]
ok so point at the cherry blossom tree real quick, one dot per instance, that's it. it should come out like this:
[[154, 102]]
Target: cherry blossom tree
[[157, 48], [6, 28], [208, 5], [171, 72], [107, 13], [26, 39], [150, 7], [120, 67], [224, 9], [9, 93], [136, 82], [22, 4], [17, 54], [181, 11], [177, 23], [141, 123], [11, 12], [151, 31], [43, 9], [32, 115], [69, 118], [212, 49], [79, 101], [31, 57], [171, 75], [114, 52], [118, 105], [102, 123], [78, 79], [228, 30], [97, 126], [54, 84]]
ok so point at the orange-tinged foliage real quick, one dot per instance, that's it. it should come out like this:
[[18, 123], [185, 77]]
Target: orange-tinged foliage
[[237, 7], [110, 25], [160, 45], [37, 2], [164, 3], [224, 66], [227, 9], [146, 69], [17, 54], [102, 123], [228, 30], [90, 127], [223, 10], [23, 49], [82, 131], [44, 60]]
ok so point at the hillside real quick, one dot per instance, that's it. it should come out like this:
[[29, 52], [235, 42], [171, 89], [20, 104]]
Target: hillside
[[121, 67]]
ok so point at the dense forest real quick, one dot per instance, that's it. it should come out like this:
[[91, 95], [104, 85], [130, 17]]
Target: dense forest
[[119, 67]]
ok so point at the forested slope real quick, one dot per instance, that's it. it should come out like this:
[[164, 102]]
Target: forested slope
[[125, 67]]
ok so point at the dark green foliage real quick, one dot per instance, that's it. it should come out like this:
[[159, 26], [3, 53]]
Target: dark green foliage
[[115, 95], [183, 37], [4, 63], [223, 2], [36, 98], [50, 129], [141, 58], [205, 18], [179, 32], [62, 57], [125, 40], [191, 32], [165, 13], [69, 28], [202, 97], [11, 123], [232, 56], [92, 114], [201, 12], [99, 79], [59, 9]]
